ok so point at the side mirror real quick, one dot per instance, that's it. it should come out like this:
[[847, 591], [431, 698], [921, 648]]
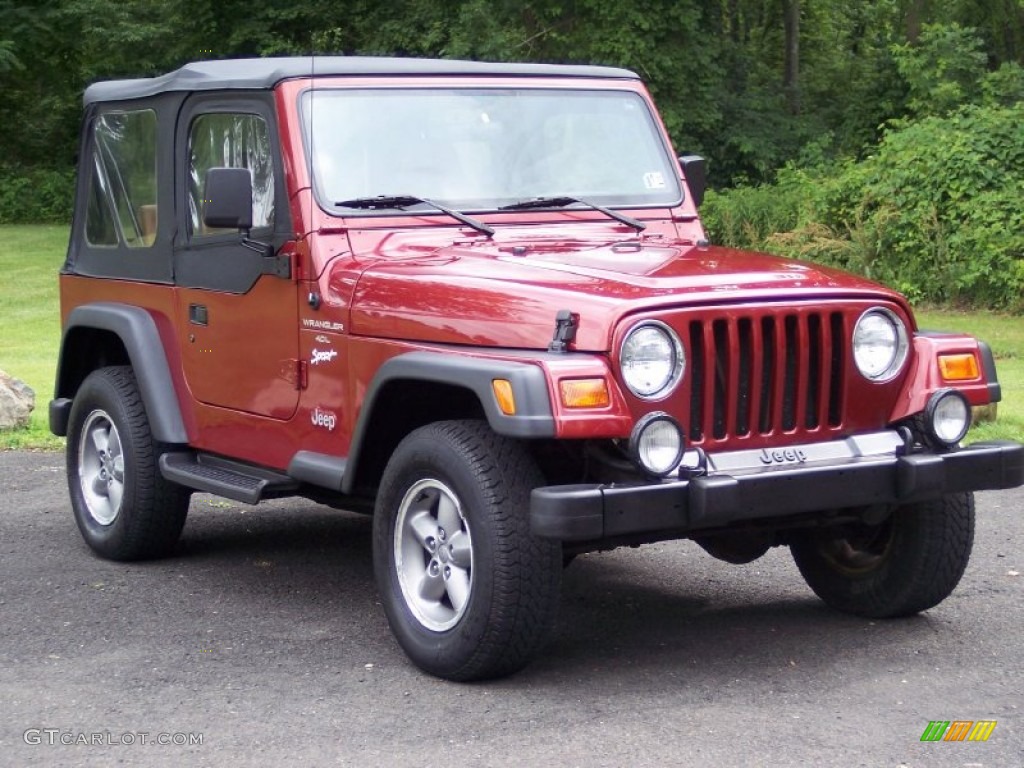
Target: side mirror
[[227, 198], [695, 170]]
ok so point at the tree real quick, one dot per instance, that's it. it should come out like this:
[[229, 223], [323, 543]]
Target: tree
[[791, 69], [752, 84]]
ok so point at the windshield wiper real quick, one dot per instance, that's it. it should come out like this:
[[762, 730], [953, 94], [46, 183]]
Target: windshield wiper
[[398, 202], [561, 202]]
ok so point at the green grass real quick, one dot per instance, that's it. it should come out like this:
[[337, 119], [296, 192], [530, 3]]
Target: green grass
[[30, 257]]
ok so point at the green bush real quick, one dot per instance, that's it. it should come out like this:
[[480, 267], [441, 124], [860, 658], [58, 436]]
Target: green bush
[[746, 217], [935, 211], [36, 196], [935, 208], [942, 198]]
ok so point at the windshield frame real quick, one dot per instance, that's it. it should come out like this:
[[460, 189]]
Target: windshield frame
[[652, 120]]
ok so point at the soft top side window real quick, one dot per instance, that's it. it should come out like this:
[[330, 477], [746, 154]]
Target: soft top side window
[[123, 193], [230, 140]]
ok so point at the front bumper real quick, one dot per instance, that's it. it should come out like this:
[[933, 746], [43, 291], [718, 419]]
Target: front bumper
[[751, 485]]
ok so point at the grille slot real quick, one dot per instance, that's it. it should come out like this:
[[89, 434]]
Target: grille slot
[[765, 374]]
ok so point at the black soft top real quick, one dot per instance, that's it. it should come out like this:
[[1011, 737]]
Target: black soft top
[[266, 73]]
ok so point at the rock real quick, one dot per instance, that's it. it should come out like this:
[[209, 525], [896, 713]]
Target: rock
[[17, 400]]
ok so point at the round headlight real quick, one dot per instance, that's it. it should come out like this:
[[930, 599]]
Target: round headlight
[[657, 443], [652, 360], [948, 416], [879, 344]]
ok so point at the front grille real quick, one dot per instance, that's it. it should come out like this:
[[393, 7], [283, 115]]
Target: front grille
[[762, 374]]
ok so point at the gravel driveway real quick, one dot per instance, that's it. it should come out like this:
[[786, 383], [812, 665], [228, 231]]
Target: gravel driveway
[[261, 642]]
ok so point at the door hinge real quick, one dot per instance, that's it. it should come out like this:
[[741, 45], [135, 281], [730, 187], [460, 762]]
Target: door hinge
[[278, 266], [301, 374]]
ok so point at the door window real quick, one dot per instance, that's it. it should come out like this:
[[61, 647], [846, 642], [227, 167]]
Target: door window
[[231, 140]]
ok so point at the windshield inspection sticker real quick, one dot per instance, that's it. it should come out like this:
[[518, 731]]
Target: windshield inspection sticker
[[654, 180]]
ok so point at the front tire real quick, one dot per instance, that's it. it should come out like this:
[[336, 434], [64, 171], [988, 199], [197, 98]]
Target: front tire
[[123, 506], [469, 593], [909, 563]]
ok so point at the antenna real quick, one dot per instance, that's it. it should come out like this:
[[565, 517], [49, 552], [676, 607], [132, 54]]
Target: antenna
[[312, 98]]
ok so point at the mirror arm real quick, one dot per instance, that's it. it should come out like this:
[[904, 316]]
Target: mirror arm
[[258, 246], [273, 264]]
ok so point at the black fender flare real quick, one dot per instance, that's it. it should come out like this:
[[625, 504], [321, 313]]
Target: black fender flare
[[533, 418], [137, 330]]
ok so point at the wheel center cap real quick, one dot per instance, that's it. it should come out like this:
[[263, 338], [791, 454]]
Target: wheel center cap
[[442, 554]]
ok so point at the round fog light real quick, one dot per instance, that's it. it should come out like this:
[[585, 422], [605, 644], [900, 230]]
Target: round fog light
[[657, 444], [948, 416]]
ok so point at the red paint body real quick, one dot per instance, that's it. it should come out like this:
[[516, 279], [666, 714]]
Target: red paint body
[[278, 375]]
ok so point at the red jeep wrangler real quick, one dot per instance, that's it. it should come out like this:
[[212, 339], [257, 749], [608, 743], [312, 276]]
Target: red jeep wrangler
[[477, 301]]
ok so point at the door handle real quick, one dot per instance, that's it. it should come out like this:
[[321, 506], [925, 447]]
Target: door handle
[[197, 314]]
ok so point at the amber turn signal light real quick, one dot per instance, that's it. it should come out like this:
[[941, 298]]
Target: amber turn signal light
[[961, 367], [503, 394], [584, 393]]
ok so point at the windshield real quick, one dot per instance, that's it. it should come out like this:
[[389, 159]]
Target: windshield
[[485, 148]]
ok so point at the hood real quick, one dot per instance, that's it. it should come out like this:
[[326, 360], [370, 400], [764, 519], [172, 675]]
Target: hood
[[506, 293]]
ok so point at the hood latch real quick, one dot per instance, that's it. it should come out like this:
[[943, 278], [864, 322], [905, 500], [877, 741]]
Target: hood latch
[[566, 323]]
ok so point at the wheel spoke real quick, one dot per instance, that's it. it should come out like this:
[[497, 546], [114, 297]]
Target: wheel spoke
[[424, 528], [113, 443], [98, 485], [115, 490], [458, 587], [432, 585], [461, 552], [448, 516], [100, 437]]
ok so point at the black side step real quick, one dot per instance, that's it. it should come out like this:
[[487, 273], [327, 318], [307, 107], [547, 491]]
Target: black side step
[[229, 479]]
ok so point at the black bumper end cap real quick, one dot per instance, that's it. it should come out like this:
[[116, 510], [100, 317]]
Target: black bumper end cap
[[567, 512], [60, 414], [989, 465]]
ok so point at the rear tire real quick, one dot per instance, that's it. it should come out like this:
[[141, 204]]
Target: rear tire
[[909, 563], [123, 506], [468, 591]]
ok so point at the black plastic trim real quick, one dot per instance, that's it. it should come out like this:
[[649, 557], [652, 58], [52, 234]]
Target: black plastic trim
[[230, 261], [224, 477], [318, 469], [138, 332], [60, 414], [268, 72], [594, 512], [988, 364], [152, 263], [533, 418]]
